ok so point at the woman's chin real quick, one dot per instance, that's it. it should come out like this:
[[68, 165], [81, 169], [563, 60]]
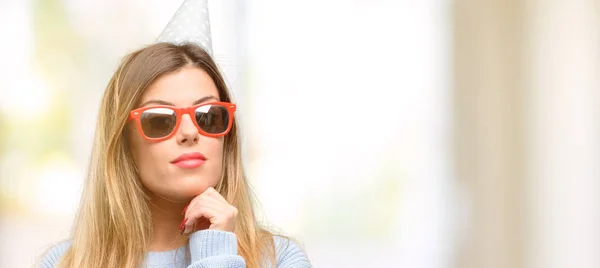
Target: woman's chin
[[191, 192], [193, 188], [183, 189], [180, 195]]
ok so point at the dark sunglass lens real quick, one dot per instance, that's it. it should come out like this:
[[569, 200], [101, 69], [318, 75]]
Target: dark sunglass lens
[[213, 119], [158, 122]]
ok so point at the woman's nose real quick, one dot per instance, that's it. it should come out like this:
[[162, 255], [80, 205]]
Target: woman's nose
[[187, 132]]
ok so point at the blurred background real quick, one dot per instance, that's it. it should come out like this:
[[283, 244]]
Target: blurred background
[[451, 133]]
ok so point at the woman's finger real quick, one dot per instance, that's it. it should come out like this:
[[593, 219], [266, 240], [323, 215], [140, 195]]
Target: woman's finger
[[203, 201], [214, 193], [212, 200], [196, 215], [225, 209], [209, 206]]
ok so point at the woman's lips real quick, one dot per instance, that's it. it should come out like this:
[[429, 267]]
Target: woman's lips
[[190, 163], [190, 160]]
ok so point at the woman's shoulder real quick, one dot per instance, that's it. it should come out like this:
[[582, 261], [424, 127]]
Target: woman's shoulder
[[51, 257], [289, 253]]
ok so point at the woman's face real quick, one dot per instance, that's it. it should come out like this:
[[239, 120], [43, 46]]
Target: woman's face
[[154, 160]]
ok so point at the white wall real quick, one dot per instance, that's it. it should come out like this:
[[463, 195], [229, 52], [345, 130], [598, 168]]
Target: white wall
[[564, 41]]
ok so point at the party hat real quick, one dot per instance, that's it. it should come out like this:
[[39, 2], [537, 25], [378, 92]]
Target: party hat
[[189, 24]]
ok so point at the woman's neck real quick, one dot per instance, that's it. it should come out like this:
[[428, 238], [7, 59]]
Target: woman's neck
[[166, 218]]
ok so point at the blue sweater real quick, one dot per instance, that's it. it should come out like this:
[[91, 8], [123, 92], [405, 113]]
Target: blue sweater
[[206, 248]]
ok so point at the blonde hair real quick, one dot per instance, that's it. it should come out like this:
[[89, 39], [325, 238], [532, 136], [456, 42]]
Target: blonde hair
[[114, 226]]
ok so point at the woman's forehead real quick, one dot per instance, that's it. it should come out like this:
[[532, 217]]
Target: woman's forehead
[[182, 87]]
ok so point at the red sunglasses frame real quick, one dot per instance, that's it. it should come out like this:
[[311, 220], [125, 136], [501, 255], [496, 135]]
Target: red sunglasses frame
[[179, 112]]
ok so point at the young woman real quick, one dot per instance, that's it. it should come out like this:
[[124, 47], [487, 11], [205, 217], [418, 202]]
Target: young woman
[[166, 186]]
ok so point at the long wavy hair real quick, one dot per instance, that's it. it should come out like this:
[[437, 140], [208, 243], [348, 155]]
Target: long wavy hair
[[113, 226]]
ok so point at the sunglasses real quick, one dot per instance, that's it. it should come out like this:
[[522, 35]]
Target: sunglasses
[[158, 123]]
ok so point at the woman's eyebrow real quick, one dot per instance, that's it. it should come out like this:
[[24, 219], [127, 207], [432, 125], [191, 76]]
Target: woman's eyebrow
[[201, 100], [162, 102], [157, 102]]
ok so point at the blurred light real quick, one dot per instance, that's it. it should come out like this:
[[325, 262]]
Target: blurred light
[[59, 186], [27, 97]]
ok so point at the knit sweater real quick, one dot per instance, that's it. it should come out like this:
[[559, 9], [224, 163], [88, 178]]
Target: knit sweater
[[206, 248]]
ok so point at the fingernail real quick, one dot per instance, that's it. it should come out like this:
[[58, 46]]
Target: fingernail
[[182, 225], [184, 210]]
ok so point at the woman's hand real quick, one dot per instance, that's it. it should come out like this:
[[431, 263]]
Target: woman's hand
[[209, 210]]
